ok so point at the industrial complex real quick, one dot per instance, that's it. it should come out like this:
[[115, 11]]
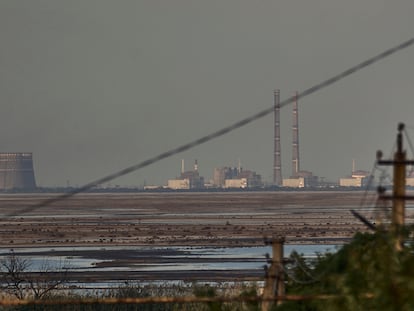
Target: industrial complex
[[17, 173], [223, 177], [228, 177]]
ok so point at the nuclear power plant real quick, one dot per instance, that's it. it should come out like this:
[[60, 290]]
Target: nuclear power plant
[[16, 171]]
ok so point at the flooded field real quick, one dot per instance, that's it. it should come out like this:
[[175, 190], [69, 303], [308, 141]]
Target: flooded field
[[116, 264]]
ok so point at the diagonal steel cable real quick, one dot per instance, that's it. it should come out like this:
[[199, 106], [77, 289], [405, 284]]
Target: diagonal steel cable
[[222, 131]]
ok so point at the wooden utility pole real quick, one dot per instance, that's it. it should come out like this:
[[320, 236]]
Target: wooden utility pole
[[275, 277], [398, 205], [398, 197]]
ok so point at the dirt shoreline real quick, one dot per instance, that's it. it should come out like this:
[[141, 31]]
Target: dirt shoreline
[[192, 219], [177, 219]]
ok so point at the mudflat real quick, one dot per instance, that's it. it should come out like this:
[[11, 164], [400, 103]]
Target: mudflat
[[222, 219]]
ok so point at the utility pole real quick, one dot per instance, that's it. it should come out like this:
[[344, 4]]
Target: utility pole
[[398, 197], [275, 277]]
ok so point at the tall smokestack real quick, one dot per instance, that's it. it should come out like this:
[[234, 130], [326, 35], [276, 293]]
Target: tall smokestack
[[277, 161], [182, 166], [195, 165], [295, 142]]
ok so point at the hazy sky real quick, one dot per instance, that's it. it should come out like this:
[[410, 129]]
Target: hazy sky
[[93, 86]]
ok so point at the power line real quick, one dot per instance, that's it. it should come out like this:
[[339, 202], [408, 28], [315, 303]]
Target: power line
[[222, 131]]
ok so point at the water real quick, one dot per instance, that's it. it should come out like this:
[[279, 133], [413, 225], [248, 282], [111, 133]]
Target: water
[[132, 258]]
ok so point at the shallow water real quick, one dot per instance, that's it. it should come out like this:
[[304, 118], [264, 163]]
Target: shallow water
[[155, 258]]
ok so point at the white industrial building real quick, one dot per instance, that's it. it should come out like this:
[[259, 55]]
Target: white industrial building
[[357, 179], [187, 180], [298, 182], [177, 184], [301, 179], [236, 183]]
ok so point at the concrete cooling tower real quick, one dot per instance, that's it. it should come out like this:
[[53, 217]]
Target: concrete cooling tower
[[16, 171]]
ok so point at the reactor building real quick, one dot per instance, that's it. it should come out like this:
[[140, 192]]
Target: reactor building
[[359, 178], [236, 177], [16, 171], [188, 180]]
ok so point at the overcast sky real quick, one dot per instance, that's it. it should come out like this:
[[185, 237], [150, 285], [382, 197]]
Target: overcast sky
[[93, 86]]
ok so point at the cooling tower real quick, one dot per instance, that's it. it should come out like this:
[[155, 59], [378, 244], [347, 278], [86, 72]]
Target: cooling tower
[[16, 171]]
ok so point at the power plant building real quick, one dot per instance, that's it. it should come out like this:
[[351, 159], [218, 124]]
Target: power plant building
[[302, 179], [236, 183], [188, 179], [221, 174], [353, 182], [359, 178], [16, 171], [229, 177], [297, 182], [179, 184], [253, 179]]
